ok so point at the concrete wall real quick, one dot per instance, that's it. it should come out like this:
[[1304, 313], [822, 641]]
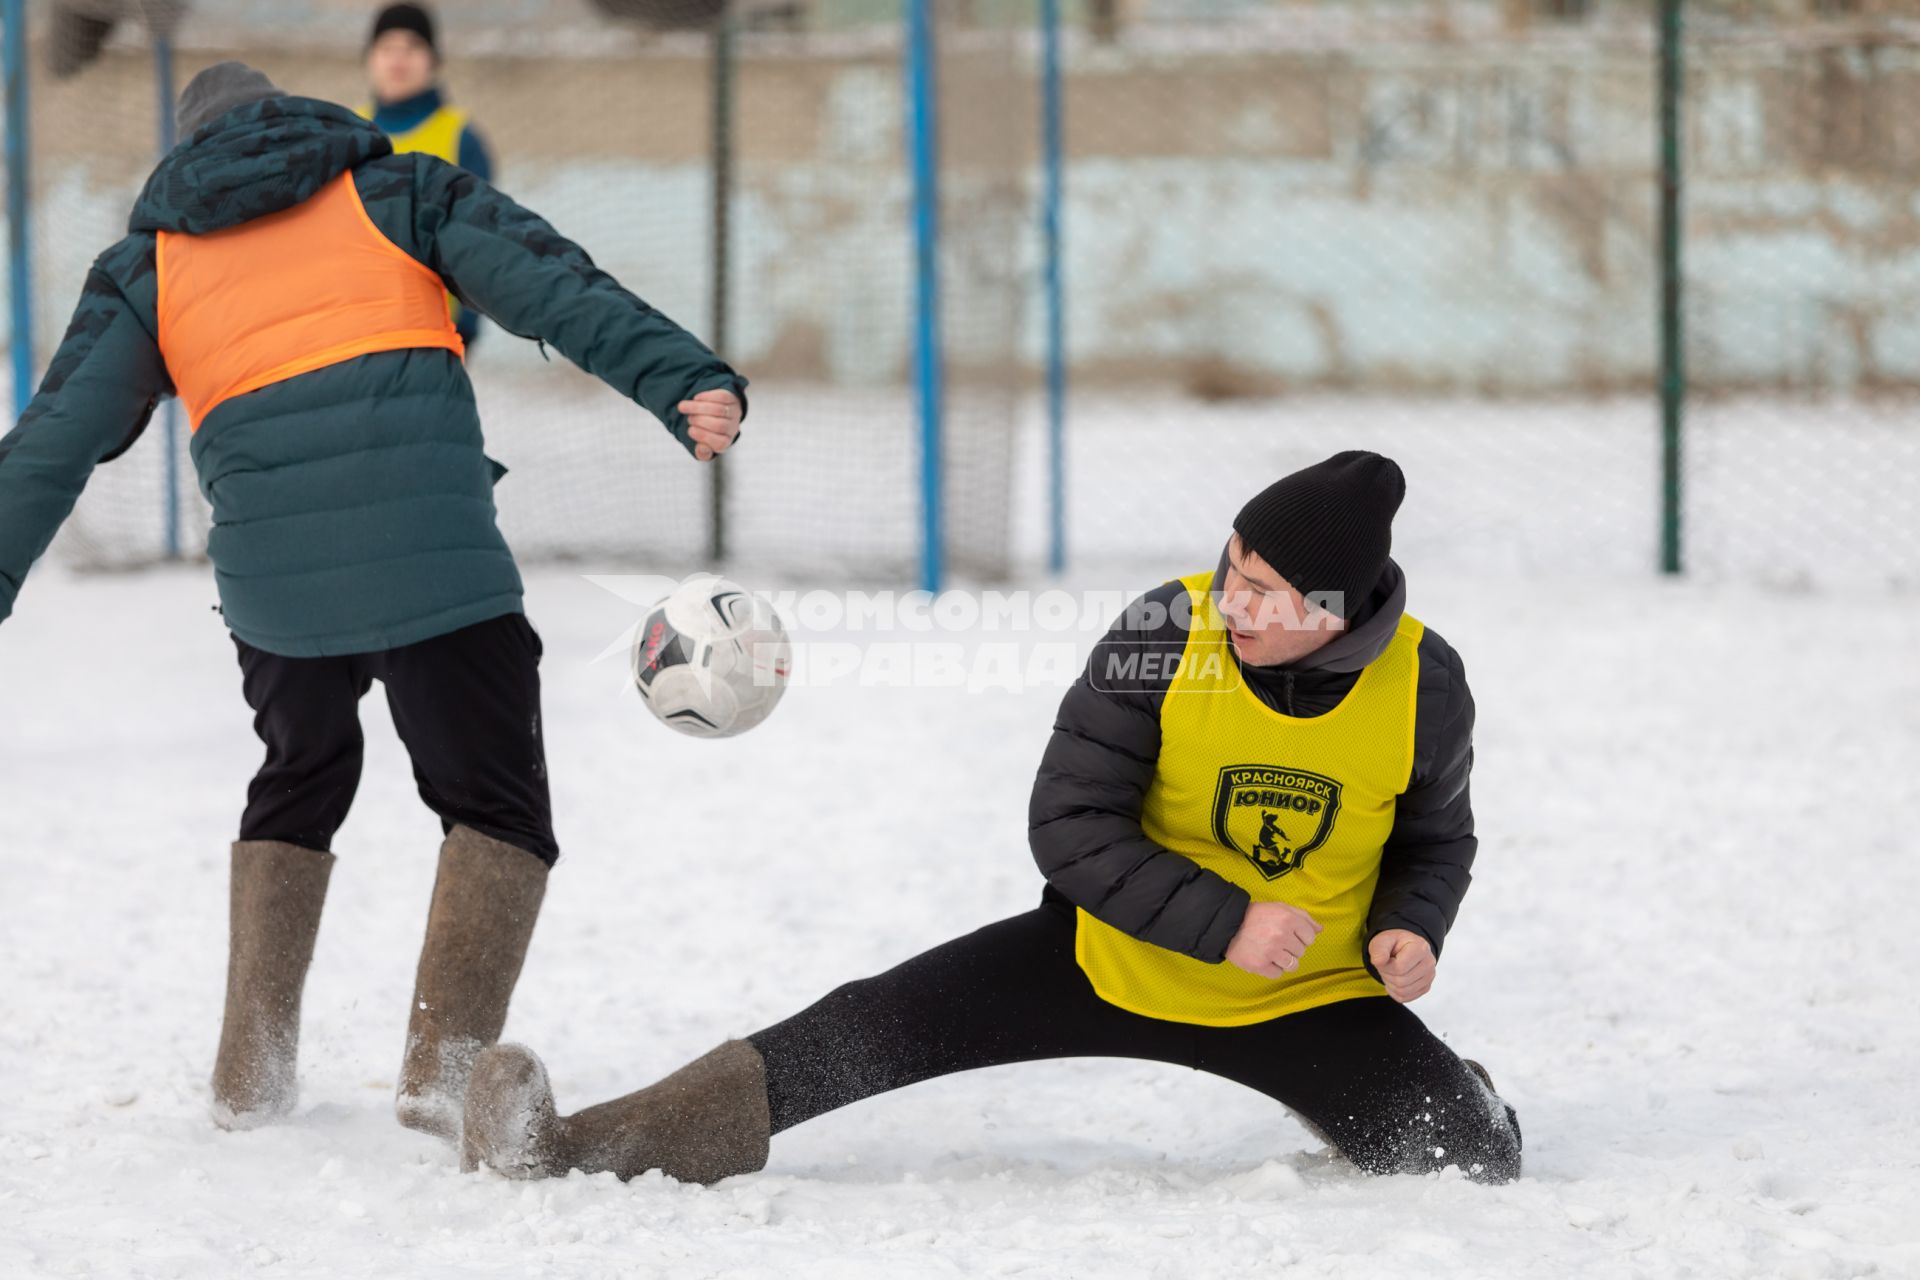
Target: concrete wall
[[1476, 220], [1240, 221]]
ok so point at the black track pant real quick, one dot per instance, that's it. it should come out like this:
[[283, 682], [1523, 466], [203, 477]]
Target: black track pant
[[467, 708], [1366, 1073]]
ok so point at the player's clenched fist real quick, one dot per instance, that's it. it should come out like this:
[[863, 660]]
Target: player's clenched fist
[[1405, 961], [713, 420], [1272, 938]]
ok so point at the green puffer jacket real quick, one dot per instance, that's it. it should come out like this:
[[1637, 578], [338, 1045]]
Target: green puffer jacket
[[353, 505]]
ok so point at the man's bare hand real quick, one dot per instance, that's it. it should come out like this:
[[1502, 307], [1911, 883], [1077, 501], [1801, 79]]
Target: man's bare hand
[[1272, 938], [1405, 962], [713, 422]]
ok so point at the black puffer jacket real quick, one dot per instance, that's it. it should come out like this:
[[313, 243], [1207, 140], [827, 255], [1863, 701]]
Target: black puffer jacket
[[1084, 818]]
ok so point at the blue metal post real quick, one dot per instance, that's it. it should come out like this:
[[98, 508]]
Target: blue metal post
[[170, 411], [923, 148], [13, 22], [1053, 161]]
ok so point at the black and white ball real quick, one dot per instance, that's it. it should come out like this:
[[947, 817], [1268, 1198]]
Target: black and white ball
[[711, 660]]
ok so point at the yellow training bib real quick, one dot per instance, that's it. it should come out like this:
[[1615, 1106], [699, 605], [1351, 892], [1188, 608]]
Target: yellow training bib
[[1291, 809], [437, 135]]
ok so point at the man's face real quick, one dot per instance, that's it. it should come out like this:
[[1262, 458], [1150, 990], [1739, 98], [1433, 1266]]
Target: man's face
[[1268, 621], [399, 65]]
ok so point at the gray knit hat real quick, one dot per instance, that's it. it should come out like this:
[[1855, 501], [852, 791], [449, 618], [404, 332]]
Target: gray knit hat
[[218, 90]]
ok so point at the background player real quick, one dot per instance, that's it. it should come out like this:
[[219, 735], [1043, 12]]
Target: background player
[[409, 105]]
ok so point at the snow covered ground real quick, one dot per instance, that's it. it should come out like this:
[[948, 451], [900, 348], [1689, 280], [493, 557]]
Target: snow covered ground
[[1689, 961]]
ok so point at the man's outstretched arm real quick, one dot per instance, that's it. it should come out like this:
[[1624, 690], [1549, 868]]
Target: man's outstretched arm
[[511, 264], [95, 401]]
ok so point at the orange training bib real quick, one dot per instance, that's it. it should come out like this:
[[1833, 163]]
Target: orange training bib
[[248, 306]]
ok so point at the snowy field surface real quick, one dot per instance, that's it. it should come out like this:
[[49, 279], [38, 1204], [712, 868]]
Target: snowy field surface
[[1688, 960]]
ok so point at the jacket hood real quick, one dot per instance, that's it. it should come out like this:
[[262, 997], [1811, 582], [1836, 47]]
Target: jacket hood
[[256, 159], [1370, 632], [1366, 636]]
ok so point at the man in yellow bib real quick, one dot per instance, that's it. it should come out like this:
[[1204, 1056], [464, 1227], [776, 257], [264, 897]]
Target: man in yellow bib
[[409, 106], [1254, 822]]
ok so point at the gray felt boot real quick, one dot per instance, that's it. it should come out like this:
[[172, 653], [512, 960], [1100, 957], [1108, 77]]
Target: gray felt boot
[[485, 901], [705, 1122], [276, 892]]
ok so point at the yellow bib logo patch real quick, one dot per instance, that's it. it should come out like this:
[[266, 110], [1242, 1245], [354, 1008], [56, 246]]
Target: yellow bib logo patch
[[1274, 816]]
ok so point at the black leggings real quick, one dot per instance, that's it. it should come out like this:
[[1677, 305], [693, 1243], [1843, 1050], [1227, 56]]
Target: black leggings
[[466, 704], [1365, 1073]]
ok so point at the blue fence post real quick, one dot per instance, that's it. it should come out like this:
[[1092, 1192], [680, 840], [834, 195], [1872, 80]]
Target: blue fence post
[[1053, 161], [170, 411], [923, 149], [13, 29]]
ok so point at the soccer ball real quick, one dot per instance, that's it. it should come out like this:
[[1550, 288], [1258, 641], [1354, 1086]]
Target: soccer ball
[[711, 660]]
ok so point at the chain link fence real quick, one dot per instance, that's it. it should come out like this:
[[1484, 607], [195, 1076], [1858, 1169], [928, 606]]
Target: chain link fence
[[1802, 273], [1427, 227], [604, 123], [1432, 229]]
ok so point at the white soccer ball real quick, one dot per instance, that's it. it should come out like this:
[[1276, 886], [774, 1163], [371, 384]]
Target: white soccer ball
[[711, 660]]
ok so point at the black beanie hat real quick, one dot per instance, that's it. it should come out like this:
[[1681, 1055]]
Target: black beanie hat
[[1327, 527], [405, 17]]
